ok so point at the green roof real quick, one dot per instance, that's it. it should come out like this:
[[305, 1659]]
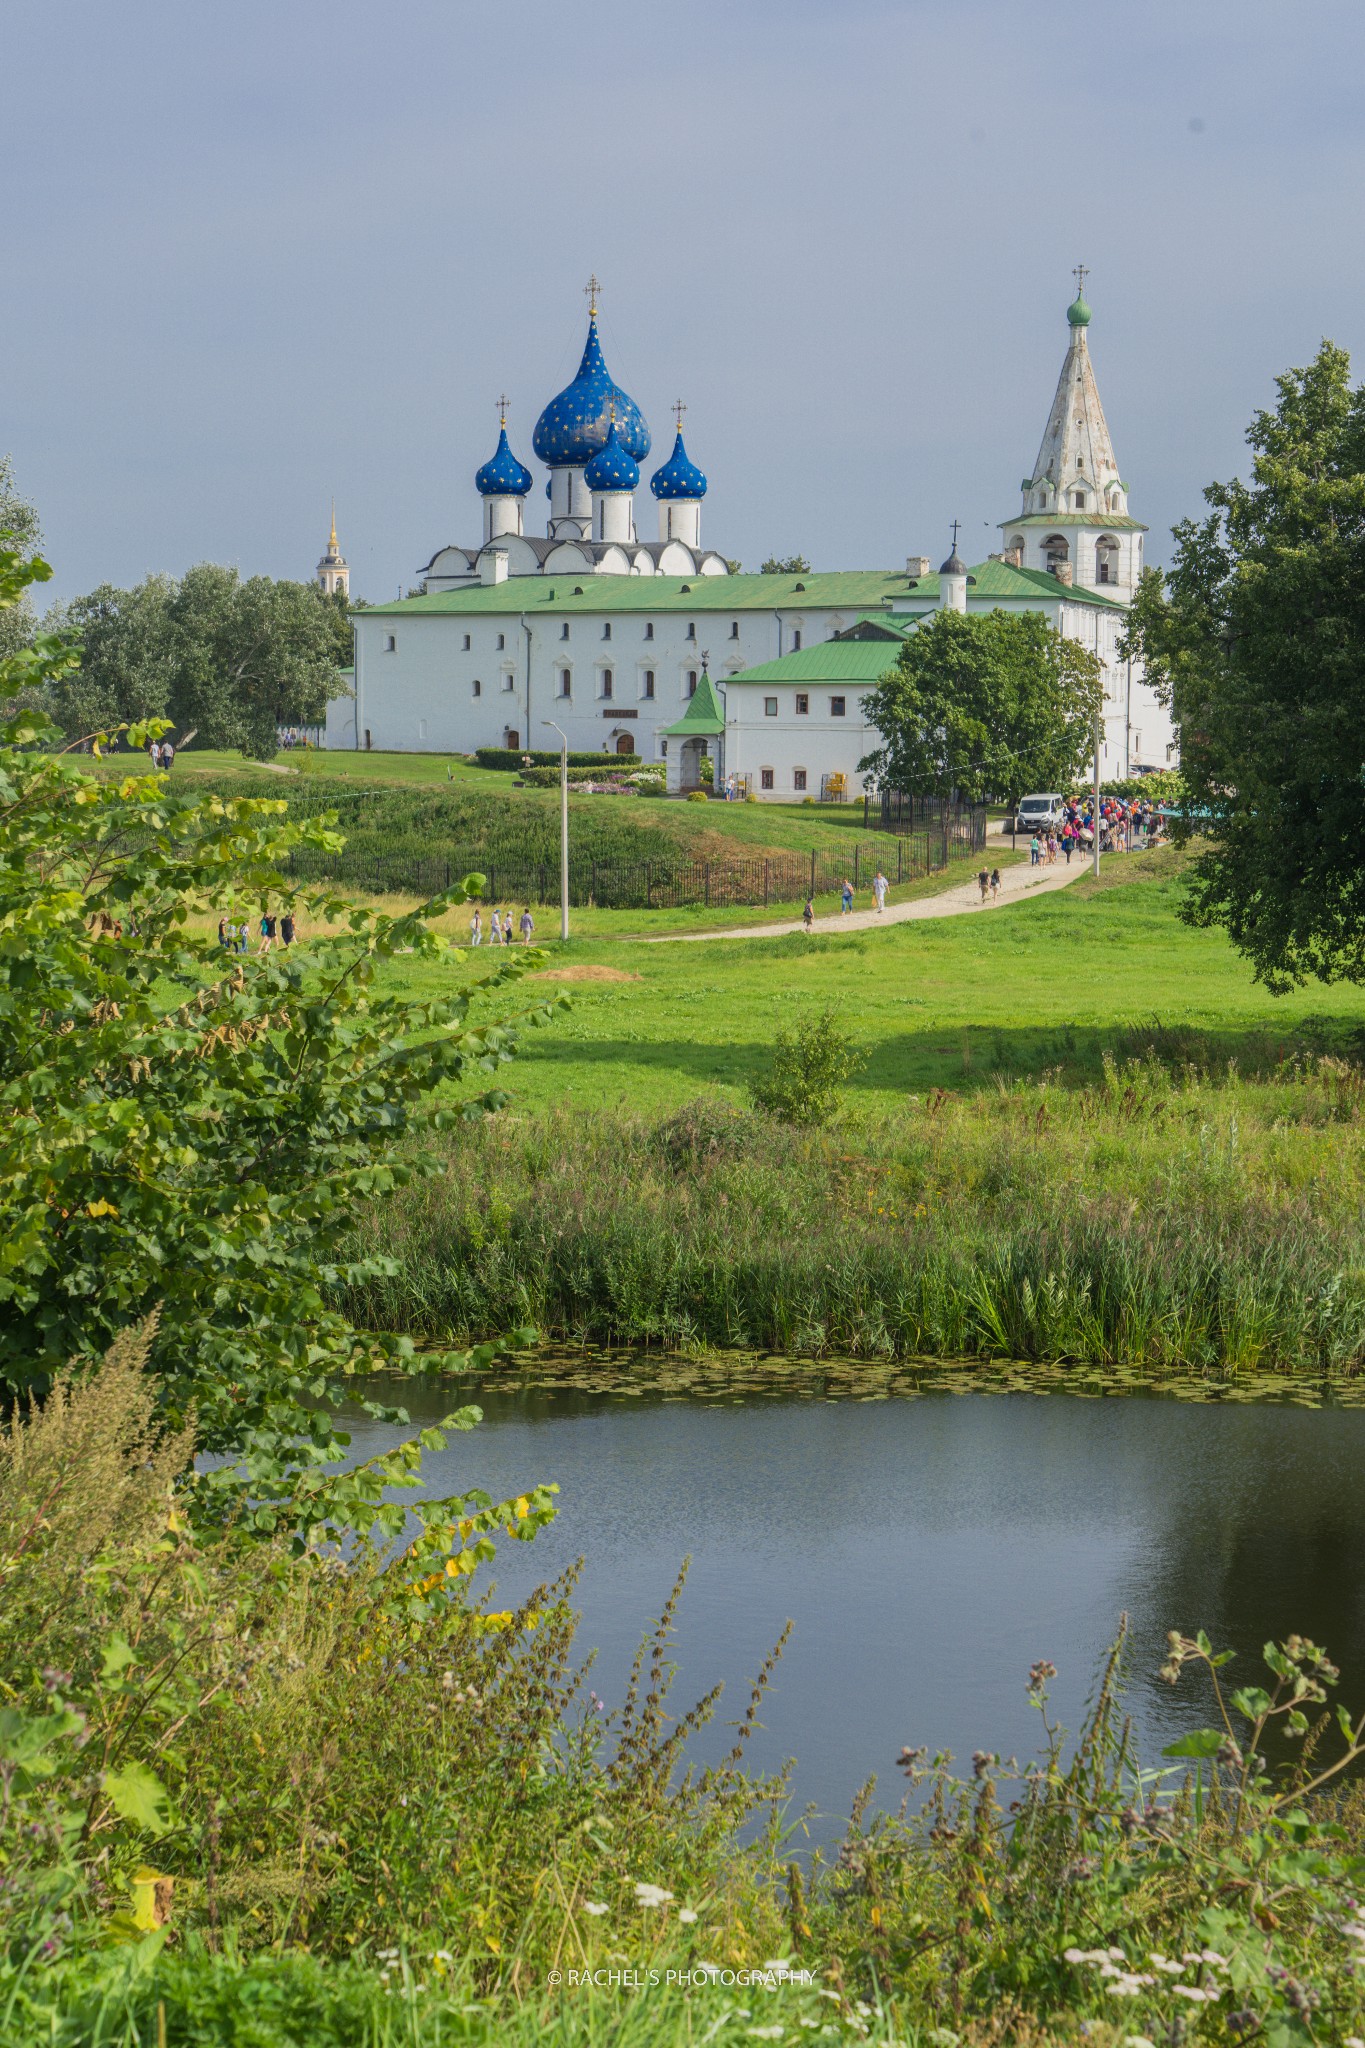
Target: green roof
[[581, 591], [1003, 580], [1118, 522], [703, 716], [830, 661]]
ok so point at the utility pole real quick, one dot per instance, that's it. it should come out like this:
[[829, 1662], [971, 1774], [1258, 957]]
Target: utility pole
[[1099, 712], [564, 825]]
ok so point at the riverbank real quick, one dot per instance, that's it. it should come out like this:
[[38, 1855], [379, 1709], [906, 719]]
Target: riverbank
[[1170, 1215]]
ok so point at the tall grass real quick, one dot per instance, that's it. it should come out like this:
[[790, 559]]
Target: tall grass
[[1162, 1218]]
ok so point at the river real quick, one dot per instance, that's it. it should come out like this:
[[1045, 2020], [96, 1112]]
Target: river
[[928, 1550]]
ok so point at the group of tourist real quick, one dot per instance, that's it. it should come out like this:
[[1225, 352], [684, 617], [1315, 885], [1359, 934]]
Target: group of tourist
[[236, 938], [500, 932], [1125, 825]]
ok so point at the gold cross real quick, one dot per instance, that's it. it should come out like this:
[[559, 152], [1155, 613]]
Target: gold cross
[[678, 410], [590, 291], [503, 404]]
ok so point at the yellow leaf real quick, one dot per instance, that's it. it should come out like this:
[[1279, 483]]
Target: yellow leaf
[[100, 1209], [523, 1507], [494, 1943]]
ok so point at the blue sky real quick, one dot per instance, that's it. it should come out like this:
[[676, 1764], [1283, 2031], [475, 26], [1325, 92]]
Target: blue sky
[[257, 255]]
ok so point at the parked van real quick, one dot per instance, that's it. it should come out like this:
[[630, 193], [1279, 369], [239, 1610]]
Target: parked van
[[1037, 813]]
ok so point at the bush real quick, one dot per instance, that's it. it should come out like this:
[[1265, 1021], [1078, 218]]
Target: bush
[[697, 796], [808, 1069], [703, 1132], [514, 757]]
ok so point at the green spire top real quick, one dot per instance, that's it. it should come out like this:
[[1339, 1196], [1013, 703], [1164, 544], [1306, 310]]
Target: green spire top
[[1078, 313]]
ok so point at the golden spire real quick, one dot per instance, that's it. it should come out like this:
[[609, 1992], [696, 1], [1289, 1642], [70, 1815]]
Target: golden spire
[[332, 541]]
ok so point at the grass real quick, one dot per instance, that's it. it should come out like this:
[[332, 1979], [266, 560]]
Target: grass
[[1043, 985]]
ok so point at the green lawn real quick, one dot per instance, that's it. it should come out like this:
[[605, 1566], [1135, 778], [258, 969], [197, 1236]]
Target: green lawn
[[1044, 984]]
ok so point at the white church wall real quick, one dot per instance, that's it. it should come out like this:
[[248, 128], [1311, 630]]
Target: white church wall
[[788, 745]]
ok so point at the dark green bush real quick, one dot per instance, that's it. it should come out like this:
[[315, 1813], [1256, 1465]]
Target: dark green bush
[[808, 1068], [511, 757]]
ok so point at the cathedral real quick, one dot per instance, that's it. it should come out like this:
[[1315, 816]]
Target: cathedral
[[652, 647]]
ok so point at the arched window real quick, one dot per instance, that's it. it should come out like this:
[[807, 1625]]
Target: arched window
[[1055, 551], [1106, 559], [1078, 500]]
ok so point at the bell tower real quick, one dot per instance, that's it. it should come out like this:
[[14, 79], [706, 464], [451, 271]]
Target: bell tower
[[333, 574]]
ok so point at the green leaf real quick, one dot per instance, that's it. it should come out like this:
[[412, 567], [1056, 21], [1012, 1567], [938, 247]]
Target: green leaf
[[117, 1657], [138, 1795], [1200, 1742]]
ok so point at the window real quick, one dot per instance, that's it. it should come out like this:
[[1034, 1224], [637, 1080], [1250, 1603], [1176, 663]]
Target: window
[[606, 630], [691, 629], [770, 707], [565, 682], [796, 641], [802, 704], [734, 629], [765, 778], [606, 682], [798, 778], [1078, 500], [466, 643], [691, 690], [564, 630], [649, 629], [663, 750], [1106, 559], [836, 707], [509, 681], [390, 644], [502, 642], [1055, 550], [478, 687], [647, 684]]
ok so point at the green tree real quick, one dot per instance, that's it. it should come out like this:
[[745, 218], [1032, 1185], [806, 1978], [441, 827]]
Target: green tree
[[785, 565], [984, 704], [19, 529], [127, 666], [187, 1133], [253, 656], [1256, 635]]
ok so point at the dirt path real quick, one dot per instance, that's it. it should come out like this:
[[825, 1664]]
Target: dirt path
[[961, 899]]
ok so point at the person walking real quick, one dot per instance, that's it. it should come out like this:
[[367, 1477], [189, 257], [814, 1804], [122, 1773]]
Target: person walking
[[528, 925], [880, 885], [995, 884], [287, 928], [155, 751], [846, 898], [1035, 852], [244, 937], [983, 882], [224, 937], [495, 929], [476, 928], [267, 931], [808, 913], [167, 755]]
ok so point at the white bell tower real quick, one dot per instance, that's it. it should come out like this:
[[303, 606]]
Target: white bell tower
[[333, 574]]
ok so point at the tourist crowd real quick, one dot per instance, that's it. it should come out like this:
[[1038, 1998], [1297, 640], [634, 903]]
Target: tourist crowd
[[1126, 825]]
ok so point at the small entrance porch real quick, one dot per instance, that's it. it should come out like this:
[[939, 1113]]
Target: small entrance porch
[[698, 736]]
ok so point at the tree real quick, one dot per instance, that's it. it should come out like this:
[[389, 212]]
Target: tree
[[186, 1134], [1256, 636], [785, 565], [19, 529], [233, 660], [984, 704]]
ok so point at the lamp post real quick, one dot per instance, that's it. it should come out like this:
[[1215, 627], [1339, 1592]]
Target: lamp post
[[563, 826]]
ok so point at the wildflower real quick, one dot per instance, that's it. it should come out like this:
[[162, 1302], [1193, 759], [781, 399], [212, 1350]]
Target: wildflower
[[1197, 1994], [596, 1908], [1129, 1983], [1165, 1963], [651, 1895], [766, 2033], [1211, 1955], [688, 1917], [1040, 1673], [388, 1955], [778, 1967]]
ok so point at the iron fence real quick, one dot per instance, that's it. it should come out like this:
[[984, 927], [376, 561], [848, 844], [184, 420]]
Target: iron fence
[[735, 880]]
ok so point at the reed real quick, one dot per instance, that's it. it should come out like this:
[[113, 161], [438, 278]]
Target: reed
[[1164, 1217]]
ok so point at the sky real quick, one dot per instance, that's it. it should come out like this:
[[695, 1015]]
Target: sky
[[258, 256]]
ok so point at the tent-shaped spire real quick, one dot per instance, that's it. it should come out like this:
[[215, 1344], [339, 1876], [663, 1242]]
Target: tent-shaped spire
[[703, 718], [1077, 454]]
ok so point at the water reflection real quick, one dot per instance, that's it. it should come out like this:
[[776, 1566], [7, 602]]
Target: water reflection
[[927, 1550]]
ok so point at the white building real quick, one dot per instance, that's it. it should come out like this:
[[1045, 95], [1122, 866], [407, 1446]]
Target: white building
[[332, 572], [609, 635]]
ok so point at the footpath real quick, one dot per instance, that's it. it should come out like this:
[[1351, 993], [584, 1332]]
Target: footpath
[[962, 899]]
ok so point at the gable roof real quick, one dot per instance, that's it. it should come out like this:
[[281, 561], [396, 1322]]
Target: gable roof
[[851, 590], [829, 661]]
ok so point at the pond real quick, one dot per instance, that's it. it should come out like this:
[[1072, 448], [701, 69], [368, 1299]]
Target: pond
[[928, 1550]]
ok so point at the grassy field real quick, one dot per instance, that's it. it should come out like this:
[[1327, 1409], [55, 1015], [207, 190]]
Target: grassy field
[[1026, 988]]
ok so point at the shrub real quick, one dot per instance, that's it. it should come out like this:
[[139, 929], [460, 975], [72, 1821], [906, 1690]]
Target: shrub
[[697, 796], [808, 1068], [702, 1132], [513, 758]]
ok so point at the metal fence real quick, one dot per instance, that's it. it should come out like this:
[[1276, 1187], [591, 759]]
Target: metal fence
[[659, 884]]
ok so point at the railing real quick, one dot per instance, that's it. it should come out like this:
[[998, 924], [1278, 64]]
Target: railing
[[658, 884]]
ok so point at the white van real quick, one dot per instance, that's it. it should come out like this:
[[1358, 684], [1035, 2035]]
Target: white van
[[1036, 813]]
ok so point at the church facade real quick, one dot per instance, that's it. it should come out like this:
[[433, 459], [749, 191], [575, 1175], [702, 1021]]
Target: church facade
[[595, 631]]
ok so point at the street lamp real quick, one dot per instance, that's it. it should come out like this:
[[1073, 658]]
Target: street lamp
[[563, 825]]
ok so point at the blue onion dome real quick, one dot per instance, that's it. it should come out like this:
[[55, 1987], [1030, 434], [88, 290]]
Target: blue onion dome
[[503, 476], [679, 476], [577, 423], [613, 468]]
